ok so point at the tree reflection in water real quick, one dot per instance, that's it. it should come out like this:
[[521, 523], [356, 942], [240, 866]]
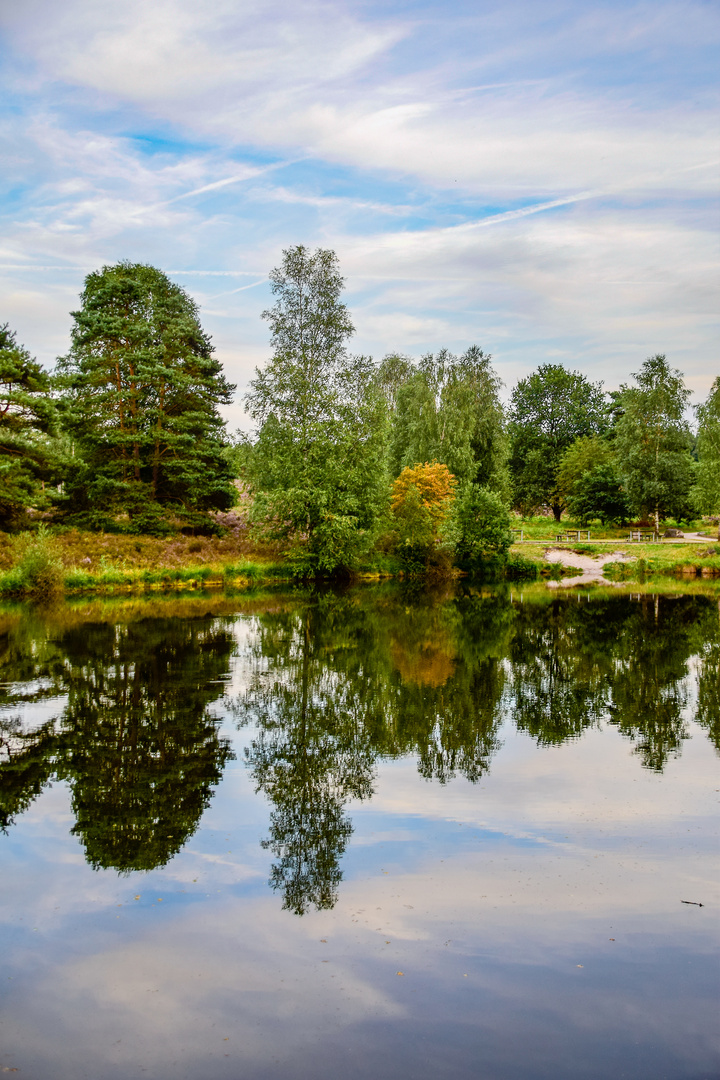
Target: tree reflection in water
[[135, 741], [337, 682]]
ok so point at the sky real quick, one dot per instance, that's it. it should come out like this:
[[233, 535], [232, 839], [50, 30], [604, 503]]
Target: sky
[[539, 178]]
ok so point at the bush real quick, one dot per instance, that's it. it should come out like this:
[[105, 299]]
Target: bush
[[38, 571], [518, 568], [422, 499], [483, 525], [599, 494]]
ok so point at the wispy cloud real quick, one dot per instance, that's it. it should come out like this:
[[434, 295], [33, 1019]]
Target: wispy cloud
[[550, 167]]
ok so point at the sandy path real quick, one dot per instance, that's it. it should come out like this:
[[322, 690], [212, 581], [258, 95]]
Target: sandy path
[[592, 569]]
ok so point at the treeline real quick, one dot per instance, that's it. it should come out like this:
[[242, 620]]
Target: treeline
[[418, 459]]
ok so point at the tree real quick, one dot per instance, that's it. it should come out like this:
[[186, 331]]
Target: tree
[[421, 501], [549, 410], [448, 409], [318, 469], [581, 456], [142, 390], [653, 441], [599, 494], [706, 493], [483, 522], [29, 454], [589, 482]]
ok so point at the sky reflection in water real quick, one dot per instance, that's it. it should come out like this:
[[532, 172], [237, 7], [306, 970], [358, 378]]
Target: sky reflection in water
[[486, 814]]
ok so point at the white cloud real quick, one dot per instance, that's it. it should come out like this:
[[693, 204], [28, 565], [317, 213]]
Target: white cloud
[[553, 189]]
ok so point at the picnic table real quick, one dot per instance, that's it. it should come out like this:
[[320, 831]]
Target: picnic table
[[643, 536], [573, 534]]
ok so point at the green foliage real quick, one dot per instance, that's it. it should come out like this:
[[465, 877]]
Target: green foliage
[[598, 493], [318, 468], [136, 741], [38, 571], [653, 441], [706, 493], [581, 456], [448, 409], [550, 409], [483, 522], [31, 456], [354, 678], [141, 396]]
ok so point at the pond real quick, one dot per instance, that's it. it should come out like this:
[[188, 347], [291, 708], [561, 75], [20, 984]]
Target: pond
[[373, 833]]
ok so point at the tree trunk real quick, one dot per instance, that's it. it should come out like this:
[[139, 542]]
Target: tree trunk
[[657, 521], [557, 511]]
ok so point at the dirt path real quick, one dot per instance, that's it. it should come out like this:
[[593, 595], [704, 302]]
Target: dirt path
[[591, 569]]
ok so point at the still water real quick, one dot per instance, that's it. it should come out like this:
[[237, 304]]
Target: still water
[[371, 834]]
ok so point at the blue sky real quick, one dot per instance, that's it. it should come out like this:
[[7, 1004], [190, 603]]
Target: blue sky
[[539, 178]]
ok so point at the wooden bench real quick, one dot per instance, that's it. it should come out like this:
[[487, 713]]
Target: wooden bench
[[573, 534]]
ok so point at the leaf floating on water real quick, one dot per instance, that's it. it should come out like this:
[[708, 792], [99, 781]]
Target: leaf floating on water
[[580, 965], [399, 972], [137, 897]]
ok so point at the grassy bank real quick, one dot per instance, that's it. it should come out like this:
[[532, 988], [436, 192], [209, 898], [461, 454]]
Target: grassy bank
[[72, 562]]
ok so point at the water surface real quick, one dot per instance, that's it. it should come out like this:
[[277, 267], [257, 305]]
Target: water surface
[[378, 833]]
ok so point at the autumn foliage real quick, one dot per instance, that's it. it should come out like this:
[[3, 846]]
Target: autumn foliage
[[435, 485], [422, 497]]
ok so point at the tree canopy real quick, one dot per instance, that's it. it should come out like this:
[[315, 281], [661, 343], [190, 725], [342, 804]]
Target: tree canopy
[[318, 469], [549, 410], [653, 441], [707, 485], [142, 390], [422, 498], [30, 456], [447, 408]]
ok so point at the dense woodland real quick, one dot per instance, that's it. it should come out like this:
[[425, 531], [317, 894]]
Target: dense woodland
[[416, 458]]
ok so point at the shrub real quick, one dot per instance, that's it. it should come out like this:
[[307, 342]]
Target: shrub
[[422, 499], [483, 525], [38, 570]]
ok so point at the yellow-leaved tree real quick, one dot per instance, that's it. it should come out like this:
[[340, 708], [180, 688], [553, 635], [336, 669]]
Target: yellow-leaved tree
[[422, 498]]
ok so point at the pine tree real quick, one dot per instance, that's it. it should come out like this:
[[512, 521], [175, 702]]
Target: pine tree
[[142, 394], [30, 456]]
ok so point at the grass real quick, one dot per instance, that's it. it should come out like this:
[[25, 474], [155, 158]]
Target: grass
[[540, 529], [70, 561]]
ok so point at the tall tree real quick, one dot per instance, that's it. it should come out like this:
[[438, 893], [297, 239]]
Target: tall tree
[[29, 454], [142, 394], [550, 409], [707, 486], [448, 409], [318, 470], [653, 441]]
